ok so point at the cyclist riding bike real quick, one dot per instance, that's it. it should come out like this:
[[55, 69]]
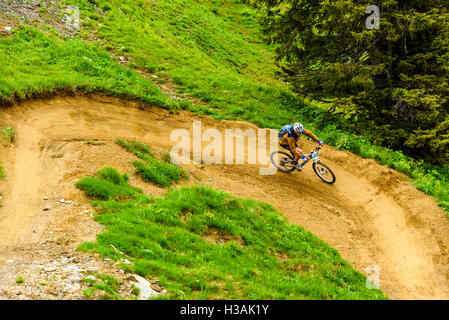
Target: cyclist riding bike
[[288, 137]]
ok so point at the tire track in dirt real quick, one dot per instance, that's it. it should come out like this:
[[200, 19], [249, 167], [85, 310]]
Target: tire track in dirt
[[372, 215], [17, 221]]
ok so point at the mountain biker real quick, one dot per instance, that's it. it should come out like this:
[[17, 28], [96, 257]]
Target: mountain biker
[[288, 137]]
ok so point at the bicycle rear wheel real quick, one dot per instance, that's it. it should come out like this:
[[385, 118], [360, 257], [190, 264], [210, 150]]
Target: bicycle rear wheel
[[324, 172], [282, 161]]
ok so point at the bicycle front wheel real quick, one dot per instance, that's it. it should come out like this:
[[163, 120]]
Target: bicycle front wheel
[[324, 172]]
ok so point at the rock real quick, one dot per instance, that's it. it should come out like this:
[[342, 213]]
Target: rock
[[62, 200], [45, 198], [9, 261], [47, 208], [92, 268], [91, 277], [68, 202], [125, 261], [144, 286], [49, 269]]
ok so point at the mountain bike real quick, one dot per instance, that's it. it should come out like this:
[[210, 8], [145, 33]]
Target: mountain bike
[[285, 162]]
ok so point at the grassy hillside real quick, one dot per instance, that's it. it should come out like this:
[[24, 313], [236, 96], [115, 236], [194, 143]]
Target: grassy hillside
[[38, 64], [211, 50], [213, 53], [205, 244]]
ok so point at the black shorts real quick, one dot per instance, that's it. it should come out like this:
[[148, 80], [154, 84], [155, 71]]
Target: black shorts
[[288, 148]]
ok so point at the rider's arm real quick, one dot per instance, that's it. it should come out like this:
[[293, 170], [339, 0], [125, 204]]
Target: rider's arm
[[311, 135]]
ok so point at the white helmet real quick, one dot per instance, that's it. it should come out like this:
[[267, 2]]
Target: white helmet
[[298, 127]]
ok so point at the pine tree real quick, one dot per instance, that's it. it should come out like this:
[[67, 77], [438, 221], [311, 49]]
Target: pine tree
[[390, 84]]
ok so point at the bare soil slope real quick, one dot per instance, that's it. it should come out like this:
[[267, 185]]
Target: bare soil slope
[[372, 214]]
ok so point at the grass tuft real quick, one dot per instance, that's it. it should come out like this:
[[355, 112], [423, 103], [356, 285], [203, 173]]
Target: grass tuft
[[108, 185], [152, 170], [7, 136]]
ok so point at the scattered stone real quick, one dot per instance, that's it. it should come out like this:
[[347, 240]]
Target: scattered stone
[[49, 269], [68, 202], [125, 261], [144, 287], [45, 198], [47, 208], [9, 261], [92, 268], [62, 200], [90, 277]]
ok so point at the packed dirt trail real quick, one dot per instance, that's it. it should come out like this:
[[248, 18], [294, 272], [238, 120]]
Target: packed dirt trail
[[373, 215]]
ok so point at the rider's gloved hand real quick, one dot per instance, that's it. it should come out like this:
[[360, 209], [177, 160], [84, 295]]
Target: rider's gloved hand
[[320, 143]]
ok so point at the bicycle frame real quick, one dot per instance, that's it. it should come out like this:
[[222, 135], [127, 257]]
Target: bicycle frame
[[314, 155]]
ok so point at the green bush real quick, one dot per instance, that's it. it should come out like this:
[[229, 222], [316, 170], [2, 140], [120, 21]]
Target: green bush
[[108, 185], [152, 170], [112, 175]]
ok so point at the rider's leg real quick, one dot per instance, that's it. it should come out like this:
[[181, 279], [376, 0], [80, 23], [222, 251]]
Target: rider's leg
[[296, 156]]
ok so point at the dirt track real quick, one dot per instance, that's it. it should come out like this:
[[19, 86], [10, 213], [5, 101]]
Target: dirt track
[[372, 215]]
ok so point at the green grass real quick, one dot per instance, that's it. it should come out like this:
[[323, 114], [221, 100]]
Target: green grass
[[6, 136], [20, 279], [37, 64], [211, 49], [205, 244], [431, 179], [214, 52], [152, 170], [102, 287], [108, 184]]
